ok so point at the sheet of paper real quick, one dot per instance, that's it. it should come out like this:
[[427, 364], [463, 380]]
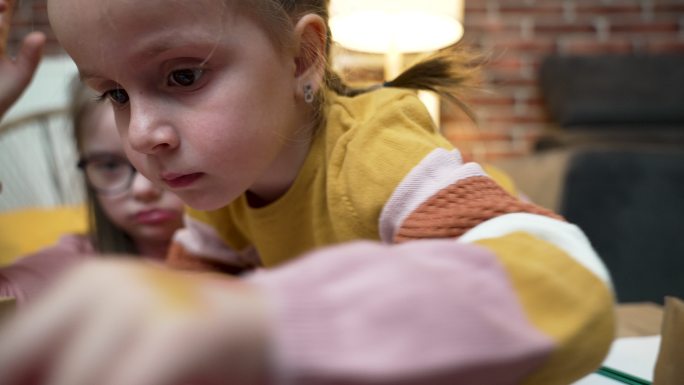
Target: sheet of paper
[[633, 355]]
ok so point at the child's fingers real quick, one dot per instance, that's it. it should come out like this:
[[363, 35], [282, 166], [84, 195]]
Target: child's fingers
[[105, 324], [103, 338], [31, 51], [162, 356], [222, 343]]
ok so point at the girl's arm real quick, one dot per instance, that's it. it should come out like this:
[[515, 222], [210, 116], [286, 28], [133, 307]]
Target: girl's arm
[[16, 73], [490, 289], [519, 298], [498, 307], [135, 323]]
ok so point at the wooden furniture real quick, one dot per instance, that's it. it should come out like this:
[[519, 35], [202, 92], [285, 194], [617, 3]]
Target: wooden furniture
[[638, 319]]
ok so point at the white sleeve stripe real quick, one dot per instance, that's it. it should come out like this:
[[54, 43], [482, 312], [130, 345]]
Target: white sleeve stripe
[[200, 239], [439, 169], [563, 235]]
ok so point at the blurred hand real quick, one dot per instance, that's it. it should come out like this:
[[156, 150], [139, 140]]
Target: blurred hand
[[129, 323], [16, 74]]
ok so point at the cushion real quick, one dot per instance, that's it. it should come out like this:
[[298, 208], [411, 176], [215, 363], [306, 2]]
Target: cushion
[[28, 230], [630, 205], [638, 91]]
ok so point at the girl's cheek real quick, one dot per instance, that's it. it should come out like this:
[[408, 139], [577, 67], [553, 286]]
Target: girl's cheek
[[114, 207]]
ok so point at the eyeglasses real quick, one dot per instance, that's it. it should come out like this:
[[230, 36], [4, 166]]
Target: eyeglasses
[[107, 173]]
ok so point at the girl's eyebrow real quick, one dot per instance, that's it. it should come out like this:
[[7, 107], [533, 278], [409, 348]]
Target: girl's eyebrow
[[168, 41], [145, 51], [159, 46], [85, 75]]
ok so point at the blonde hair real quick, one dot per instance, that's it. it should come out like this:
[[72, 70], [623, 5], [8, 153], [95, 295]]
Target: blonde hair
[[105, 236], [447, 73]]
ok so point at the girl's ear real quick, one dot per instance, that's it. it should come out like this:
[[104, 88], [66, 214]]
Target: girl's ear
[[310, 56]]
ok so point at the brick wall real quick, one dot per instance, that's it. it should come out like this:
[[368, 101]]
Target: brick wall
[[516, 35], [31, 15]]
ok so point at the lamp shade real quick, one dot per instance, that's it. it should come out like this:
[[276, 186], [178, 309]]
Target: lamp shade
[[404, 26]]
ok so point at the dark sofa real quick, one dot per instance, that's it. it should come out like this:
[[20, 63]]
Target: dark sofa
[[615, 161]]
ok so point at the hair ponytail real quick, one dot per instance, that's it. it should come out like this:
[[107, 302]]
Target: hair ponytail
[[447, 73]]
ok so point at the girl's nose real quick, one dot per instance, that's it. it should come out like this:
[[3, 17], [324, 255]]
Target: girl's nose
[[150, 130], [144, 190]]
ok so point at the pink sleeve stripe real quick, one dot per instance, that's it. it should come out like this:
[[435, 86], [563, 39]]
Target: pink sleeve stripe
[[28, 276], [439, 169], [349, 314]]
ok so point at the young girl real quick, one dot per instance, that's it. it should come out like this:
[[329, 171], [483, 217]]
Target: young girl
[[230, 105], [127, 213]]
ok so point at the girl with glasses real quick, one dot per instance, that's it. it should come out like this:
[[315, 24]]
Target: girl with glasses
[[127, 213]]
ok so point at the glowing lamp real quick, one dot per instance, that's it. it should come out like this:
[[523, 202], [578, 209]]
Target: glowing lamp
[[404, 26], [395, 27]]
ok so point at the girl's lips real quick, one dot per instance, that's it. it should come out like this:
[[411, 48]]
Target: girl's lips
[[155, 216], [179, 181]]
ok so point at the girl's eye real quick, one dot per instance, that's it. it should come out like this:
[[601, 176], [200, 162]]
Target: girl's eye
[[184, 77], [117, 95], [111, 166]]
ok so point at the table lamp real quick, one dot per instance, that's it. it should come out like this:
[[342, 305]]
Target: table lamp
[[396, 27]]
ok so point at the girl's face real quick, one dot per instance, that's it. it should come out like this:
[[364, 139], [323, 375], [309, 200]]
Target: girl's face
[[206, 105], [148, 214]]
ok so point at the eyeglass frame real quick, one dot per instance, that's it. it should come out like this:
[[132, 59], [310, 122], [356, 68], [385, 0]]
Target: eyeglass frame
[[83, 166]]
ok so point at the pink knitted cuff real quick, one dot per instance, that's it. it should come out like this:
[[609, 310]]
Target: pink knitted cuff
[[422, 312]]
